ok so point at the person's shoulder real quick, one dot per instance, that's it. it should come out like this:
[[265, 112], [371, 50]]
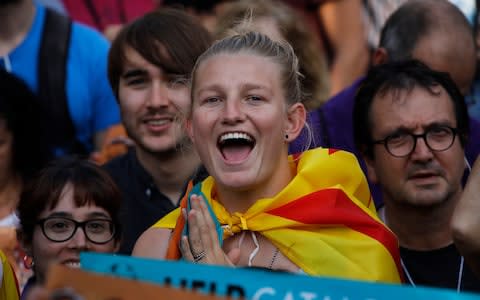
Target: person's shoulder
[[153, 243], [344, 156], [344, 98], [338, 161], [88, 53], [474, 126], [82, 31], [88, 45], [330, 153], [472, 148]]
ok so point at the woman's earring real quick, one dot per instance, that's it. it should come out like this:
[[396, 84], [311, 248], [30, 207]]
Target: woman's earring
[[28, 262], [286, 137]]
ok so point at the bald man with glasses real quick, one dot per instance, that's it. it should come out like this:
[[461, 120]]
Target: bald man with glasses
[[411, 127]]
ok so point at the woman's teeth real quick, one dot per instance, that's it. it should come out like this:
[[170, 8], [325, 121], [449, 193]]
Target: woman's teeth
[[72, 264], [235, 135]]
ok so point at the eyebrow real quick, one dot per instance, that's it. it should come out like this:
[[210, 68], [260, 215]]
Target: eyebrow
[[60, 214], [439, 124], [253, 86], [134, 73], [243, 87], [70, 216], [406, 129], [98, 214]]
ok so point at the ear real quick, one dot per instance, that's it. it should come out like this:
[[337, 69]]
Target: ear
[[296, 117], [380, 56], [189, 129], [371, 174]]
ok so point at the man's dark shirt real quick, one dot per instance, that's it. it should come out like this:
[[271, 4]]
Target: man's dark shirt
[[143, 204], [438, 268]]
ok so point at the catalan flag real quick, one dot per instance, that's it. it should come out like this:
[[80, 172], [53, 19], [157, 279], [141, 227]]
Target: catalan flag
[[9, 289], [324, 220]]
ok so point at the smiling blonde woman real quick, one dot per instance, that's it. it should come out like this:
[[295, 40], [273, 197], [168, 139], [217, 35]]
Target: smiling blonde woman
[[260, 207]]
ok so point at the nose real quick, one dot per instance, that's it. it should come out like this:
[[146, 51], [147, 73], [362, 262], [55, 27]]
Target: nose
[[422, 152], [158, 96], [79, 239], [232, 112]]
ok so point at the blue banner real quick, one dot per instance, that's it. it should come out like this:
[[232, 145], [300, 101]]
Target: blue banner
[[255, 284]]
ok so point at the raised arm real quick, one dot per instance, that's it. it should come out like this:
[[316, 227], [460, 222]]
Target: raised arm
[[466, 220], [343, 24]]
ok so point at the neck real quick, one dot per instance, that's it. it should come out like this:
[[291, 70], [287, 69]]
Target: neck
[[240, 200], [421, 228], [15, 22], [170, 172]]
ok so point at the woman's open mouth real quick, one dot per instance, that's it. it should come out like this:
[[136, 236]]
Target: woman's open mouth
[[235, 146]]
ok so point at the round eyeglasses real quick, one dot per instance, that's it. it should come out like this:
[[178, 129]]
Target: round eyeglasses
[[401, 144], [61, 229]]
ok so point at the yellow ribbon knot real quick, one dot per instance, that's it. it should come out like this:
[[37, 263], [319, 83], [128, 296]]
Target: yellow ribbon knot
[[234, 224], [243, 221]]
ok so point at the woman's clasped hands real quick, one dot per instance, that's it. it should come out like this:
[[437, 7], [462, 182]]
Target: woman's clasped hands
[[202, 245]]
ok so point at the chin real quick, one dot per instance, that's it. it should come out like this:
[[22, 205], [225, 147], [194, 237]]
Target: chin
[[238, 181], [162, 146], [428, 201]]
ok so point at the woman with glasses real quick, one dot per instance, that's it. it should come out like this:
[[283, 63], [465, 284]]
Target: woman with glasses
[[70, 207]]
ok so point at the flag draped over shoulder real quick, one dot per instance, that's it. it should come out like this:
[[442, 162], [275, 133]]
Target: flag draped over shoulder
[[9, 287], [324, 220]]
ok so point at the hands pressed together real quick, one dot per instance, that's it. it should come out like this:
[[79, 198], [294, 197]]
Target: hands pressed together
[[202, 243]]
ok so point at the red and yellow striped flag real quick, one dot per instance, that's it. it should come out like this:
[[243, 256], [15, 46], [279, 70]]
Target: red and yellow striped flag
[[9, 286], [324, 220]]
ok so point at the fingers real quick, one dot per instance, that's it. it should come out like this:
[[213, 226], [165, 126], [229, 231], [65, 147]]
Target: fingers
[[185, 249], [196, 241], [208, 219], [187, 252], [184, 244], [202, 233], [202, 244], [205, 222]]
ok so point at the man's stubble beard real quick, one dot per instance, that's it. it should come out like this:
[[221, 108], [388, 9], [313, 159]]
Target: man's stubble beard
[[183, 146], [407, 200]]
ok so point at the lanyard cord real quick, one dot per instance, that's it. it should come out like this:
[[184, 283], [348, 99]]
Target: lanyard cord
[[257, 248], [382, 216], [459, 278]]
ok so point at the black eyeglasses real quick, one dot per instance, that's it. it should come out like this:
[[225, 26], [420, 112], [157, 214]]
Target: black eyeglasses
[[61, 229], [401, 144]]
